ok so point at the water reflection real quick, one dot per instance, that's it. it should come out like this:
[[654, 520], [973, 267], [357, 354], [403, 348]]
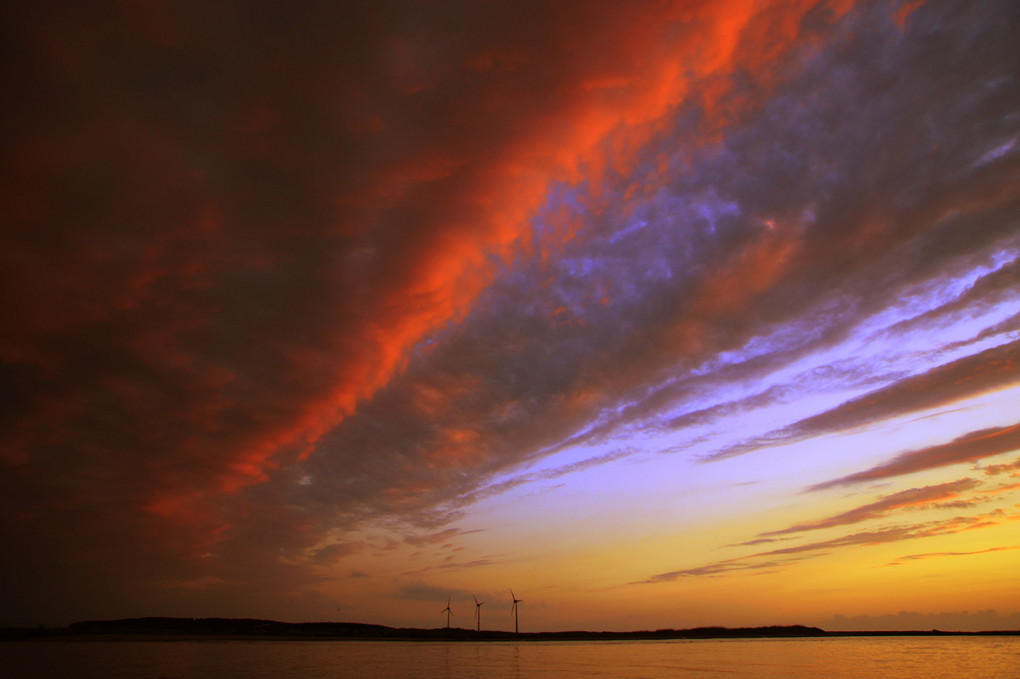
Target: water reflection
[[843, 658]]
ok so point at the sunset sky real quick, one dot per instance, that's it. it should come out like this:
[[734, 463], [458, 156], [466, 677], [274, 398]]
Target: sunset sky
[[664, 314]]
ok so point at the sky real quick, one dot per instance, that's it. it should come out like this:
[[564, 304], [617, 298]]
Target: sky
[[661, 313]]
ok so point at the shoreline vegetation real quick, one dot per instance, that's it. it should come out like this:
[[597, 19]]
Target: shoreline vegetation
[[167, 629]]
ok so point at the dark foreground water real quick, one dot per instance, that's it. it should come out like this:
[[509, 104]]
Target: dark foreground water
[[860, 658]]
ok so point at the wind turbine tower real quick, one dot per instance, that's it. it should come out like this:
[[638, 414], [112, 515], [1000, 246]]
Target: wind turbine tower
[[513, 609], [448, 612], [478, 612]]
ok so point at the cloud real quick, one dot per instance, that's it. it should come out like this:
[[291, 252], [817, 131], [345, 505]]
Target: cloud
[[972, 375], [451, 564], [939, 555], [778, 558], [991, 289], [275, 273], [423, 592], [767, 561], [967, 448], [1010, 468], [914, 497], [436, 538], [337, 551], [896, 533], [601, 337], [720, 568], [300, 234]]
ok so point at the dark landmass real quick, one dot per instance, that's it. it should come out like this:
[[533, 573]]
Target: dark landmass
[[247, 628]]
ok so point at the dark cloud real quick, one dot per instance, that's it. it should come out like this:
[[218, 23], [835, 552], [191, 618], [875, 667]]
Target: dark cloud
[[631, 318], [228, 226], [275, 271]]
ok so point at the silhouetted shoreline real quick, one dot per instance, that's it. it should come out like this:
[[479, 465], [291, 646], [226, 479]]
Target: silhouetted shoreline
[[253, 629]]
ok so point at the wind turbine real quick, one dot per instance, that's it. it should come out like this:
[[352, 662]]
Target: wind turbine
[[478, 612], [448, 612], [513, 609]]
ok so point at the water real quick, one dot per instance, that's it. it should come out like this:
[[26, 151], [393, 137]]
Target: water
[[860, 658]]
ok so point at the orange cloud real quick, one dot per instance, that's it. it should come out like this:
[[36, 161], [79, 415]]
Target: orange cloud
[[914, 497], [776, 558]]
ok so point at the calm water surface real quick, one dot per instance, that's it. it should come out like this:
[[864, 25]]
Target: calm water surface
[[869, 658]]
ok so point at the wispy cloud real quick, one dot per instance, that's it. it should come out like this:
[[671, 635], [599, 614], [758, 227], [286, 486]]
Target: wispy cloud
[[336, 551], [939, 555], [972, 375], [914, 497], [449, 564], [783, 556], [443, 536], [726, 567], [960, 494], [420, 591], [967, 448]]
